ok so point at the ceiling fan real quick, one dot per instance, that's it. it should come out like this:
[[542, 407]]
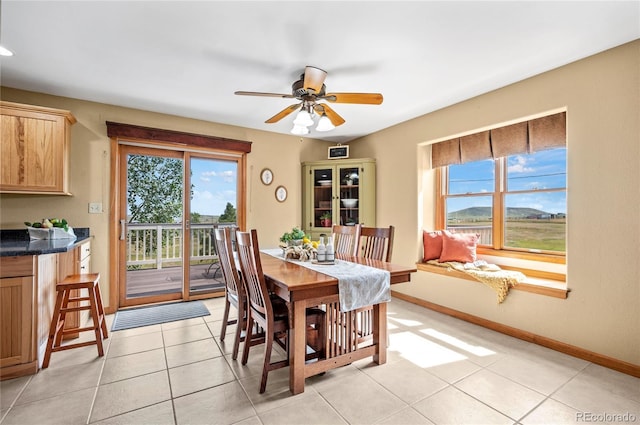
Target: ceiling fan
[[309, 90]]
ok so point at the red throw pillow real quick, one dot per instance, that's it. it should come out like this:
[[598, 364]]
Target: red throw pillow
[[459, 247], [432, 242]]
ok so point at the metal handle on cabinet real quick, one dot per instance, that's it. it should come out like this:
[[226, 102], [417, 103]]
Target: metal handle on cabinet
[[123, 224]]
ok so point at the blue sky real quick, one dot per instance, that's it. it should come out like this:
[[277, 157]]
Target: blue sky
[[214, 184], [541, 170]]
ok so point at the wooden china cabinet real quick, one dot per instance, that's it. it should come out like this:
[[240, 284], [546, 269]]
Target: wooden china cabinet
[[338, 192]]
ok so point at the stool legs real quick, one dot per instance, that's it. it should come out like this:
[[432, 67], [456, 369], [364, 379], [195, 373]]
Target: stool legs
[[103, 326], [97, 326], [63, 298], [53, 330]]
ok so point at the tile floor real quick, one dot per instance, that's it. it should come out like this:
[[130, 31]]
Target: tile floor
[[440, 370]]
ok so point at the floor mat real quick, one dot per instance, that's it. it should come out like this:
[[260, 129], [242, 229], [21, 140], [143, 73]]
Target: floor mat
[[146, 316]]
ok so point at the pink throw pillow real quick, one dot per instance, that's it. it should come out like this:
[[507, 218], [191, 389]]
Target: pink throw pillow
[[459, 247], [432, 242]]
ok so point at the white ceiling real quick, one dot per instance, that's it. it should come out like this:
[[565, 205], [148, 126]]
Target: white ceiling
[[188, 58]]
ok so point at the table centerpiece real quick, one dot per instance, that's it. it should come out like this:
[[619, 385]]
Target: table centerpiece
[[296, 245]]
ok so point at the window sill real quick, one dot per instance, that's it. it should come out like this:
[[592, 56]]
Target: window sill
[[552, 286], [523, 255]]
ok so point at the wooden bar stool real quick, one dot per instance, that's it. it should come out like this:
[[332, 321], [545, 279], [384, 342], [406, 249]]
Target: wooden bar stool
[[57, 331]]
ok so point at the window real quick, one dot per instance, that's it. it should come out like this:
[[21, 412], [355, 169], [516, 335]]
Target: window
[[516, 202]]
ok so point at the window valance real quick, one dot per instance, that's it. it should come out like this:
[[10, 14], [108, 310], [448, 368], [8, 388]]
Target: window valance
[[524, 137]]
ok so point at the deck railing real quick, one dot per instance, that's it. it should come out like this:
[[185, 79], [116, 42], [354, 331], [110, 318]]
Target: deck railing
[[160, 244], [483, 231]]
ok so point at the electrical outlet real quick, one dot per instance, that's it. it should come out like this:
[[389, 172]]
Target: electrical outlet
[[95, 207]]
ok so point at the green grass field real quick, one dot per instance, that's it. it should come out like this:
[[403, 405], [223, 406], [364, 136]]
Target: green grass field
[[545, 235]]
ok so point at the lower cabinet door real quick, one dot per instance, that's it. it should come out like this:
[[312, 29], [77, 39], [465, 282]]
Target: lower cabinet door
[[16, 316]]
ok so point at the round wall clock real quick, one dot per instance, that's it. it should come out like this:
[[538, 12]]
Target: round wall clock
[[266, 175], [281, 193]]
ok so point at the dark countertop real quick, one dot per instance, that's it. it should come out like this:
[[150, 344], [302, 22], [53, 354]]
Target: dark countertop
[[17, 242]]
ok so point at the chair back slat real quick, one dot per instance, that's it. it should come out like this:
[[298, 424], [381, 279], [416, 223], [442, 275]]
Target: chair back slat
[[227, 263], [249, 258], [346, 239], [377, 242]]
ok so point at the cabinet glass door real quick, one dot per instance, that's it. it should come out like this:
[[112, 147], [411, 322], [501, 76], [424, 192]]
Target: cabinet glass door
[[349, 195], [323, 205]]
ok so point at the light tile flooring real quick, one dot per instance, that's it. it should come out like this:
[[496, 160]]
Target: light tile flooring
[[440, 370]]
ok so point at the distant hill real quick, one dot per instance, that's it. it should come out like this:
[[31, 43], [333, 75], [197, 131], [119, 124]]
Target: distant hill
[[208, 218], [484, 212]]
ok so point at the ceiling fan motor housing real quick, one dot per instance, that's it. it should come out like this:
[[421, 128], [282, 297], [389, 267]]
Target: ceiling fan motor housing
[[298, 90]]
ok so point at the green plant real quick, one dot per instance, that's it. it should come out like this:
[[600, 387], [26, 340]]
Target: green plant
[[325, 215], [295, 234], [229, 214]]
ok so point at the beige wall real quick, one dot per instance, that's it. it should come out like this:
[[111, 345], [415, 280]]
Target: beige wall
[[89, 172], [602, 97]]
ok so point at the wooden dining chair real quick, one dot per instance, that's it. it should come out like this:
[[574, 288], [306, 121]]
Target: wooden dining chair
[[235, 294], [345, 239], [375, 243], [270, 312]]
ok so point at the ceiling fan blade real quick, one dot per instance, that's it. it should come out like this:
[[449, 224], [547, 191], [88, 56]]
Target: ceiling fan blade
[[286, 111], [362, 98], [314, 78], [255, 93], [333, 116]]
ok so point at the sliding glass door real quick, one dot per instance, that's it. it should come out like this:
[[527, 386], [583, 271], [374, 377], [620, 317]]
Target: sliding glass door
[[212, 203], [170, 203]]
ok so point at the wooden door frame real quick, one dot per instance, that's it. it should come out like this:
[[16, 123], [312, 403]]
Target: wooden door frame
[[167, 139]]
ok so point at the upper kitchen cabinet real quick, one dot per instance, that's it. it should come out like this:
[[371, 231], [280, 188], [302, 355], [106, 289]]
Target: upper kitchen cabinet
[[338, 192], [34, 149]]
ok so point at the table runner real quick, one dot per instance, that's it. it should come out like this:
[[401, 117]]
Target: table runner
[[358, 285]]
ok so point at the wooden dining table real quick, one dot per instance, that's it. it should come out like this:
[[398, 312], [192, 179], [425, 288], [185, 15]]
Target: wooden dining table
[[302, 287]]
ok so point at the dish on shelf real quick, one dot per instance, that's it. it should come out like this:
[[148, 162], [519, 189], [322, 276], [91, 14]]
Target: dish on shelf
[[349, 203], [324, 182]]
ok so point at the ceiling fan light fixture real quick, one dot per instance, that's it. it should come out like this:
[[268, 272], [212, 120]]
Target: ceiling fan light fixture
[[5, 52], [325, 124], [299, 130], [303, 119]]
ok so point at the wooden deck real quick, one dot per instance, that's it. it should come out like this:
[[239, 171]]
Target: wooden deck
[[169, 279]]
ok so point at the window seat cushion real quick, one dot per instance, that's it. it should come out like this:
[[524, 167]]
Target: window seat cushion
[[553, 287], [489, 274]]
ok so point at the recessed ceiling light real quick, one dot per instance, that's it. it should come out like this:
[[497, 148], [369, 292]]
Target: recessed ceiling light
[[5, 52]]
